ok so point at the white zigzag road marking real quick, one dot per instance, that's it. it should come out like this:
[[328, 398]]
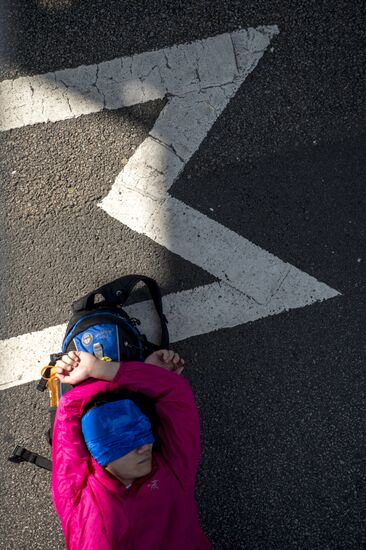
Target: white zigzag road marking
[[139, 197], [199, 79]]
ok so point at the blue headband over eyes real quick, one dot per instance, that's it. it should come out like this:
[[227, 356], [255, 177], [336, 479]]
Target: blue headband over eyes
[[114, 429]]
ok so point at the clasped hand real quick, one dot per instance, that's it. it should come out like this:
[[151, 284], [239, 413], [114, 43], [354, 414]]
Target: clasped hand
[[77, 366]]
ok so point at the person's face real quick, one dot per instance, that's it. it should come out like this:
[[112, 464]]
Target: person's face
[[136, 463]]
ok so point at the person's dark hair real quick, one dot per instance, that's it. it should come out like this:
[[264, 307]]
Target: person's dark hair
[[144, 403]]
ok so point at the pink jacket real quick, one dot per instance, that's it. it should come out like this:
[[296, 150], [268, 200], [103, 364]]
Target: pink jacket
[[159, 511]]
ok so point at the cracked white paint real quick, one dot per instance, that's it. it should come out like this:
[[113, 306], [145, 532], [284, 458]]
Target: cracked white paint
[[139, 197], [127, 81], [199, 79]]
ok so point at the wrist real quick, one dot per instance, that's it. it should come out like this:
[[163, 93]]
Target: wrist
[[95, 367], [103, 370]]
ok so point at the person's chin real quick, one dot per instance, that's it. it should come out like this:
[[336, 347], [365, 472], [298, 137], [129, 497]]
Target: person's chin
[[144, 467]]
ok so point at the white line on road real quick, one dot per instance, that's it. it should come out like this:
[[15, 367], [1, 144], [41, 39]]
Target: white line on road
[[190, 313], [126, 81], [140, 196], [199, 79]]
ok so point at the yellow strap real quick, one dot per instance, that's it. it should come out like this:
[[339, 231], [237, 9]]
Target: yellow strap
[[53, 372]]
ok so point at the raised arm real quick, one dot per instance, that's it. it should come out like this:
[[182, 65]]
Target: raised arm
[[69, 453], [179, 430]]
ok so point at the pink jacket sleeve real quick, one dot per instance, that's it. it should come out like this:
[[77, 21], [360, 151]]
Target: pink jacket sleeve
[[69, 454], [179, 430]]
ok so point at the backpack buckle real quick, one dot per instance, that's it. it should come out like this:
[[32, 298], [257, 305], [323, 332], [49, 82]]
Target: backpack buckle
[[55, 357], [21, 454]]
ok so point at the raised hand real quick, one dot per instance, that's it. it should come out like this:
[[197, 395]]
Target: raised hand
[[75, 367], [166, 359]]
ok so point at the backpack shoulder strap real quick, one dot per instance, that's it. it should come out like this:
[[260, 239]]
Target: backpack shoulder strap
[[117, 293], [21, 454]]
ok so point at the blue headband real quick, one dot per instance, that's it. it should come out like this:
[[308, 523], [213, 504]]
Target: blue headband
[[114, 429]]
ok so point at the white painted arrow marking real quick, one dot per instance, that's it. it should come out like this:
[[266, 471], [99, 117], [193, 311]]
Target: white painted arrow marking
[[199, 80], [139, 197]]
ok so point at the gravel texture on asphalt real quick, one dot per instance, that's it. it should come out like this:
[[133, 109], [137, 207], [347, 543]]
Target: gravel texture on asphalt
[[281, 400]]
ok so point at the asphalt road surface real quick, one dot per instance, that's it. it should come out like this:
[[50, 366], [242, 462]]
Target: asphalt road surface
[[281, 399]]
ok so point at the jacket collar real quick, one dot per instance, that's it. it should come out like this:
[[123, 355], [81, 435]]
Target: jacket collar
[[114, 484]]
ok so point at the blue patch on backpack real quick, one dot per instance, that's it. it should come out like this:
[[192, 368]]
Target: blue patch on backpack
[[100, 340]]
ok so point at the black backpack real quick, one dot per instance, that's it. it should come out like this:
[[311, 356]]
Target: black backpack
[[103, 328]]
